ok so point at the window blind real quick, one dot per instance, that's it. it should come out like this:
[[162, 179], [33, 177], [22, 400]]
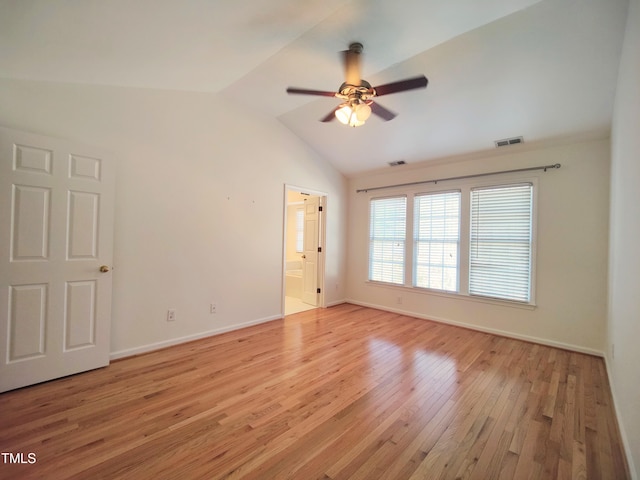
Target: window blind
[[436, 240], [387, 239], [501, 242]]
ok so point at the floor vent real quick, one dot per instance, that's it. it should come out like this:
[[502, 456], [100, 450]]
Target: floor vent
[[508, 141], [399, 162]]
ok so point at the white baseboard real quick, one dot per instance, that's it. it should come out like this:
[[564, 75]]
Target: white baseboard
[[336, 302], [494, 331], [623, 433], [188, 338]]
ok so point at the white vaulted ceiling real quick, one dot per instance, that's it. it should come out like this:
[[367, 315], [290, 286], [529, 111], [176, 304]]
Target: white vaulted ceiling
[[542, 69]]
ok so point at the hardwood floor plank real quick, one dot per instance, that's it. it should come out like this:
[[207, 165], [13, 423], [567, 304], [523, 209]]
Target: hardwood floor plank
[[579, 463], [550, 401], [341, 393], [527, 452]]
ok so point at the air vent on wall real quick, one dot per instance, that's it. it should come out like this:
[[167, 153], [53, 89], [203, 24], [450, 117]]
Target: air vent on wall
[[395, 164], [508, 141]]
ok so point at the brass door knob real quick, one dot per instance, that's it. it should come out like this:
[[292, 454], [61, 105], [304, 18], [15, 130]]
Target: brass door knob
[[104, 268]]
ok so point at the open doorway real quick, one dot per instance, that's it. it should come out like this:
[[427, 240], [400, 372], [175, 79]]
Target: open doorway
[[303, 252]]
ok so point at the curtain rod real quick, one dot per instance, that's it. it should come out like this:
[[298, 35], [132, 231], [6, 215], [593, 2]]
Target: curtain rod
[[529, 169]]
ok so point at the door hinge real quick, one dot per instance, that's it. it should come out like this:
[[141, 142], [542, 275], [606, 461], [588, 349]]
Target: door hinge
[[318, 291], [319, 249], [320, 208]]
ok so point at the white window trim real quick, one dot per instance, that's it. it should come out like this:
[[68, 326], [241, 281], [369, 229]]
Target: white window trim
[[464, 187]]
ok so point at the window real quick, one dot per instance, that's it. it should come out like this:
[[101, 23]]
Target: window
[[501, 242], [299, 230], [472, 240], [436, 241], [387, 232]]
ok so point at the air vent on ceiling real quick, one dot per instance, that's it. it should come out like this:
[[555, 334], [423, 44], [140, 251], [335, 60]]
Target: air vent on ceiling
[[509, 141], [396, 163]]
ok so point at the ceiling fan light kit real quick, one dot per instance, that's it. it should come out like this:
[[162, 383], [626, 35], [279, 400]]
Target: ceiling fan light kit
[[357, 94], [354, 114]]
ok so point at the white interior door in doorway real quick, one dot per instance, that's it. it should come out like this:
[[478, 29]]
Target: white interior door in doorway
[[311, 241], [56, 252]]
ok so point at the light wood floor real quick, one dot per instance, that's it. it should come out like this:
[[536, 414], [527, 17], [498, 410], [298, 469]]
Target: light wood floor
[[339, 393]]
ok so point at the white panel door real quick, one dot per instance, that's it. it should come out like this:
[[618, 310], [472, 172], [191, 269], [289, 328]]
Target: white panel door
[[56, 232], [310, 251]]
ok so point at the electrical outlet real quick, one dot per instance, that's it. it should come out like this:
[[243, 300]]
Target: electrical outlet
[[213, 308], [171, 315], [399, 300]]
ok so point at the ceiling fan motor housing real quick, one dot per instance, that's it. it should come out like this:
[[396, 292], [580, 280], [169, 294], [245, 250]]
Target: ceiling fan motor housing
[[356, 47], [364, 91]]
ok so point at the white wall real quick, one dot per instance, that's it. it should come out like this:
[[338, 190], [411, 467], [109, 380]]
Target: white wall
[[199, 202], [571, 265], [624, 260]]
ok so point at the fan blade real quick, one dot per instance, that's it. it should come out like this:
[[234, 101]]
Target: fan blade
[[382, 112], [304, 91], [331, 116], [402, 85], [352, 64]]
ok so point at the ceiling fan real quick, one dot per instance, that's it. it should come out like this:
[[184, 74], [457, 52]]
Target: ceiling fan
[[358, 94]]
